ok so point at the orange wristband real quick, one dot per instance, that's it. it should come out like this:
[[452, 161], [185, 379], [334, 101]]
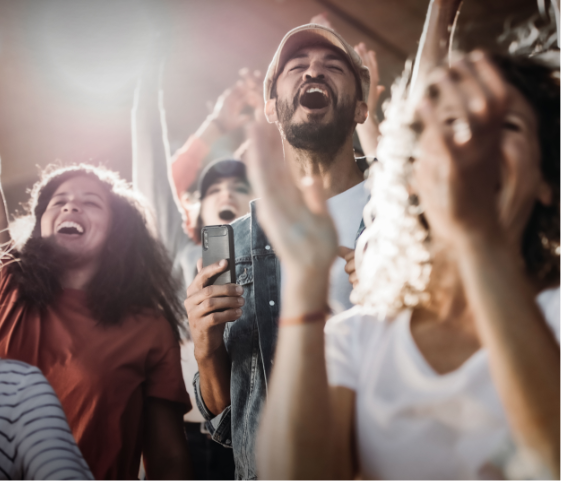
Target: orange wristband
[[318, 316]]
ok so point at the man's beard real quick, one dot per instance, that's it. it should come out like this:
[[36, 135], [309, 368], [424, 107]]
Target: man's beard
[[313, 136]]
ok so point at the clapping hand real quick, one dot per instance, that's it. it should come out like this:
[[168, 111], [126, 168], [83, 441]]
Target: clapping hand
[[293, 213], [458, 162]]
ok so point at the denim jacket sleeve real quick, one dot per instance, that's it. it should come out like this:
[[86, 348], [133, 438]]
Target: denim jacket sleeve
[[219, 427]]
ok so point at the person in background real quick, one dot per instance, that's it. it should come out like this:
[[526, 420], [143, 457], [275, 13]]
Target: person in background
[[315, 90], [222, 195], [35, 440], [88, 298], [455, 353]]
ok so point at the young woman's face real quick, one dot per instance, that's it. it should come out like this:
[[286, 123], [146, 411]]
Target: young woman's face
[[522, 182], [225, 200], [78, 217]]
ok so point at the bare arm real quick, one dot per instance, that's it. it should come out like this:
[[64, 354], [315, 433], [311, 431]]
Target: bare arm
[[369, 131], [229, 114], [457, 177], [523, 353], [209, 308], [165, 450], [305, 429], [435, 42], [4, 231]]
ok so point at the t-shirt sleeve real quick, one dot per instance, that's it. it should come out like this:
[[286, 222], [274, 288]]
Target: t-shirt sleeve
[[342, 349], [164, 376]]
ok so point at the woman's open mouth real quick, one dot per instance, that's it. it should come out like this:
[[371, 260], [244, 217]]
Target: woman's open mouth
[[70, 228], [227, 215]]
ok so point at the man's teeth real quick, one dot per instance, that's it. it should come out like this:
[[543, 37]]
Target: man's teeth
[[70, 225], [315, 89]]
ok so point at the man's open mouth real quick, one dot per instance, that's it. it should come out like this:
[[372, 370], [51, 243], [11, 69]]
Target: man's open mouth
[[227, 215], [314, 98], [69, 227]]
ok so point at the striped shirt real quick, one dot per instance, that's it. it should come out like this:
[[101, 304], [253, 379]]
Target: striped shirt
[[35, 440]]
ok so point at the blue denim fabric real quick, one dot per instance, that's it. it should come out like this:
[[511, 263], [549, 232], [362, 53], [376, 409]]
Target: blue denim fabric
[[250, 342]]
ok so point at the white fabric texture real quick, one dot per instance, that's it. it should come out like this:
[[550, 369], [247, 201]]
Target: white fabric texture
[[346, 210], [411, 422], [35, 440]]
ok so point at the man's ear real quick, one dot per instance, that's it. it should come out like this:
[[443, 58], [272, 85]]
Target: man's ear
[[271, 110], [361, 112]]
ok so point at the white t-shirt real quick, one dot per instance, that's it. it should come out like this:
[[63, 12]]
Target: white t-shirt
[[411, 422], [346, 210]]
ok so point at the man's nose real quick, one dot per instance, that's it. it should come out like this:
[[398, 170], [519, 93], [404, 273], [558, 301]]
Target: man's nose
[[314, 71]]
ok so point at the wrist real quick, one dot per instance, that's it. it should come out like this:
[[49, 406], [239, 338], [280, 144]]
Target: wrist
[[210, 130], [303, 293]]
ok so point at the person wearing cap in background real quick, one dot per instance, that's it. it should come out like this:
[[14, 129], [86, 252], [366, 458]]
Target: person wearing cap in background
[[315, 92], [222, 195]]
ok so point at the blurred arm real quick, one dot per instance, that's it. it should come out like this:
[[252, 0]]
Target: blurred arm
[[150, 158], [165, 450], [435, 42], [4, 231]]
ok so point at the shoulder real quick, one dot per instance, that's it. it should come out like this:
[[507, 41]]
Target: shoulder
[[358, 320], [11, 367], [22, 380], [353, 331]]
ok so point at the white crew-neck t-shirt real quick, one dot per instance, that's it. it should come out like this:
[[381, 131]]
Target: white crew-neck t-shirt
[[411, 422], [346, 210]]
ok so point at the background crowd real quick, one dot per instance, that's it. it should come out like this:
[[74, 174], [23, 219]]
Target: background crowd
[[395, 307]]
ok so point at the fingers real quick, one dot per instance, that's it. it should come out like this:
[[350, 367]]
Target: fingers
[[205, 273], [226, 291], [471, 96], [345, 253], [321, 19], [199, 265], [216, 310]]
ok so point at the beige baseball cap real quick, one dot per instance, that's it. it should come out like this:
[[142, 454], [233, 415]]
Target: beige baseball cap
[[313, 34]]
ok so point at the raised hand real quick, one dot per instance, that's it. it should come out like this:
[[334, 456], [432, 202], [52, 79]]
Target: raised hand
[[459, 156], [368, 132], [295, 218], [209, 308]]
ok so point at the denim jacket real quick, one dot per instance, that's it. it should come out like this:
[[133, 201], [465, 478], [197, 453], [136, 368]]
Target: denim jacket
[[250, 342]]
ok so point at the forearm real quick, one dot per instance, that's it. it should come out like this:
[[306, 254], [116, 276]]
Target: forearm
[[295, 435], [4, 232], [435, 41], [214, 378], [186, 162], [523, 354]]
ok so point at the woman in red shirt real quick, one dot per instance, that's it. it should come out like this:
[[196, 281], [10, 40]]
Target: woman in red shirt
[[88, 298]]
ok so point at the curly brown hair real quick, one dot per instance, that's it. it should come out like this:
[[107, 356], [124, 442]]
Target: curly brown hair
[[539, 84], [134, 272]]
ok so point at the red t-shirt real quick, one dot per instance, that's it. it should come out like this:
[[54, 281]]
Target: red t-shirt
[[101, 374]]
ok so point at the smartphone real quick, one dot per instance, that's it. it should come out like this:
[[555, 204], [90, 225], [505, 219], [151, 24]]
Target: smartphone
[[218, 244]]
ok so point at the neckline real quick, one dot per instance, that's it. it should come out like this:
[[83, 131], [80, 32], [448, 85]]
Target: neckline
[[421, 364], [349, 191]]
